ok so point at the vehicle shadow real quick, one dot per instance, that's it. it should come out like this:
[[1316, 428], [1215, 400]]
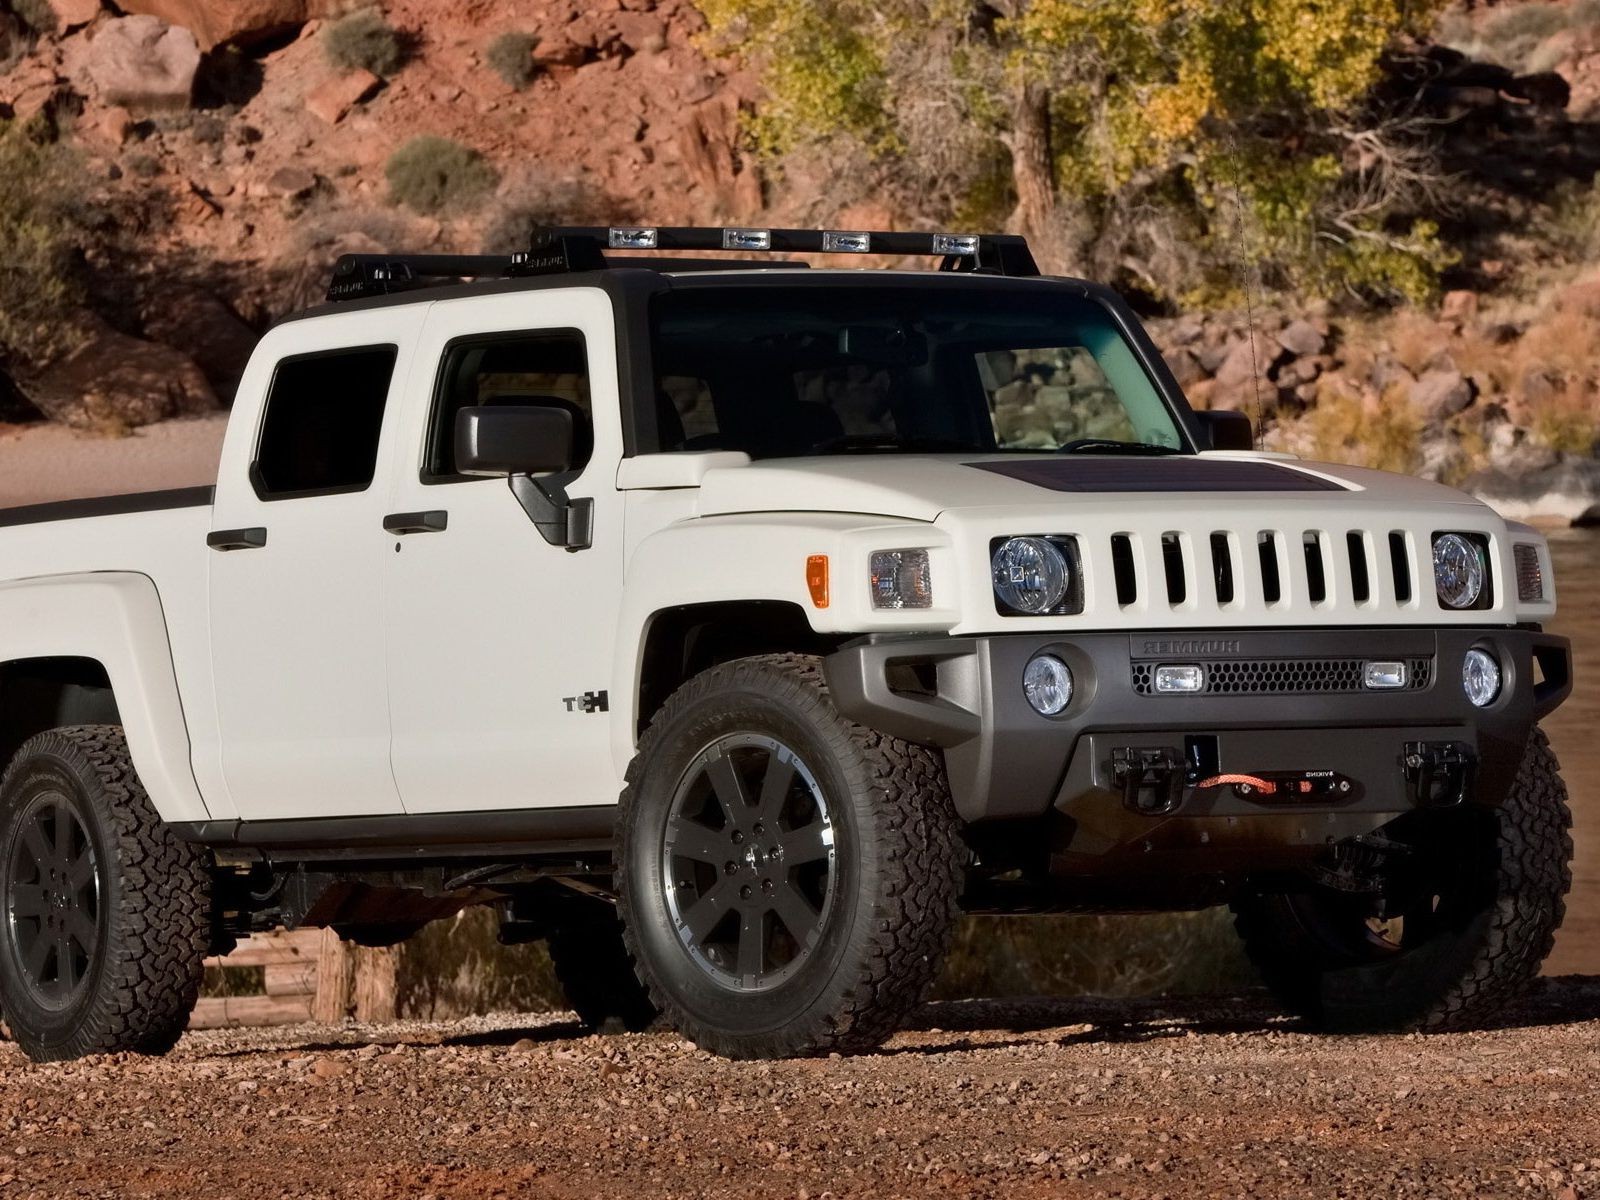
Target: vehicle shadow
[[1560, 1000]]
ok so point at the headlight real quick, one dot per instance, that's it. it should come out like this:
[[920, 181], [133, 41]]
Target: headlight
[[1458, 570], [1031, 575], [1480, 677], [900, 579]]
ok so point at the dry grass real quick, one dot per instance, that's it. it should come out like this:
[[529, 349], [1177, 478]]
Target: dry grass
[[1345, 427]]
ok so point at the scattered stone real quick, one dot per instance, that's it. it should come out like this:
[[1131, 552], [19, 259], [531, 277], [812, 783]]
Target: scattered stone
[[291, 183], [328, 1068], [1459, 306], [333, 99], [1440, 394], [1302, 338], [143, 63], [214, 22], [115, 125], [70, 14]]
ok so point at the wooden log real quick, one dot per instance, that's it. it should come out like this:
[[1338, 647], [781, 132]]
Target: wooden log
[[291, 979], [222, 1012], [332, 1003], [268, 949], [376, 983]]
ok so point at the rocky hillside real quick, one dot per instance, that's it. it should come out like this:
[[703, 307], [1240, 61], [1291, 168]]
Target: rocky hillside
[[221, 153], [238, 147]]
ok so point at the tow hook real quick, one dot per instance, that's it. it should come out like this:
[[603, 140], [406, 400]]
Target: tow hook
[[1439, 774], [1151, 779]]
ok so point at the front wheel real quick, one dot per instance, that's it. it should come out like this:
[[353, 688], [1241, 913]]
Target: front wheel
[[787, 879], [1473, 901], [107, 915]]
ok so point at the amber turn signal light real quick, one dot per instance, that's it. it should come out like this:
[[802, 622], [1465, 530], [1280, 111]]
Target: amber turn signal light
[[817, 579]]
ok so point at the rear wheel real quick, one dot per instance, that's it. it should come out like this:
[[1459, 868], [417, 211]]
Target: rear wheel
[[1473, 900], [787, 878], [107, 914]]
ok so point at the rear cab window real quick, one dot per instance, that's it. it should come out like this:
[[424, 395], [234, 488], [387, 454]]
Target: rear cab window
[[322, 423]]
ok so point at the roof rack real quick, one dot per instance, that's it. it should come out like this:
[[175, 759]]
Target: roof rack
[[587, 248]]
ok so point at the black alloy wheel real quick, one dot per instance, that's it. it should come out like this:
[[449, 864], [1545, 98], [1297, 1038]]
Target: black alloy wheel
[[747, 861], [54, 900]]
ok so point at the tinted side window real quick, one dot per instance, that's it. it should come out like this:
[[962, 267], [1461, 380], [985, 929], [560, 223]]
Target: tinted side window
[[521, 368], [323, 422]]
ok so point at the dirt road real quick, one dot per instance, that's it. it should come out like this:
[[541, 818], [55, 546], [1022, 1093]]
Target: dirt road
[[982, 1099]]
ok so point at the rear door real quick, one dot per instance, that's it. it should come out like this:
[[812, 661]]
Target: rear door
[[297, 629], [500, 645]]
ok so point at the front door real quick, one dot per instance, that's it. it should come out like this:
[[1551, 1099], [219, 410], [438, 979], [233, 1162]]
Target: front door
[[500, 644], [296, 579]]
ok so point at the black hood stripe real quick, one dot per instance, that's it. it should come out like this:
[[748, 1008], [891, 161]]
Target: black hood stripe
[[1176, 474]]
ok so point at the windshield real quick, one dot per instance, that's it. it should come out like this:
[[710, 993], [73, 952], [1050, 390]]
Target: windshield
[[785, 371]]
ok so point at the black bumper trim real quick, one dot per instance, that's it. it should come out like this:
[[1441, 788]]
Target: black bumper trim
[[1006, 761]]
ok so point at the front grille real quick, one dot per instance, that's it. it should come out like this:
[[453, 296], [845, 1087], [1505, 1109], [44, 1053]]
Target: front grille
[[1285, 676]]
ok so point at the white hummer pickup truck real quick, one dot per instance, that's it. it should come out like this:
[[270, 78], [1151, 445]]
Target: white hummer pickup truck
[[734, 627]]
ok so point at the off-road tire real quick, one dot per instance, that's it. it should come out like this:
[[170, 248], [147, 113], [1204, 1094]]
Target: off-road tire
[[154, 917], [1461, 977], [900, 859], [595, 970]]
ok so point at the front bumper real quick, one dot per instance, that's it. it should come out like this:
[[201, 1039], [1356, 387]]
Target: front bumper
[[1007, 762]]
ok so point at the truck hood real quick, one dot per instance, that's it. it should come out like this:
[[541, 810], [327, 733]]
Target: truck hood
[[921, 487]]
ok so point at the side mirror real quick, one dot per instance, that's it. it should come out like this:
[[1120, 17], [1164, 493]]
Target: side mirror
[[1228, 430], [513, 440]]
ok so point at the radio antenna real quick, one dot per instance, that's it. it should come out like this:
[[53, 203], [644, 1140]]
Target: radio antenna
[[1249, 277]]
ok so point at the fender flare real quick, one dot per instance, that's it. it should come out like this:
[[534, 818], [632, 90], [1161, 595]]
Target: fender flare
[[116, 619]]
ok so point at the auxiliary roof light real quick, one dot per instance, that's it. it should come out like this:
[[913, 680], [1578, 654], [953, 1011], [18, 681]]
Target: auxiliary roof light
[[839, 241], [631, 237], [747, 239]]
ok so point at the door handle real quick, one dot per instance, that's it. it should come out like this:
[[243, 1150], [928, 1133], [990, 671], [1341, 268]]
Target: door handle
[[237, 539], [433, 521]]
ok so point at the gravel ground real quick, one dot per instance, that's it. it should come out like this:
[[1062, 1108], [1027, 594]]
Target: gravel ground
[[1074, 1098]]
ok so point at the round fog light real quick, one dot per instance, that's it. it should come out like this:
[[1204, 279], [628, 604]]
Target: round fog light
[[1047, 682], [1480, 677]]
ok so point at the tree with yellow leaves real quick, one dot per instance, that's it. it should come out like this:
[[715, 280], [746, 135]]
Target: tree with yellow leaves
[[1152, 141]]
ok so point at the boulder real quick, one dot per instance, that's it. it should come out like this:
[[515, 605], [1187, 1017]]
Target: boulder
[[142, 63], [332, 100], [120, 381], [1184, 368], [1569, 490], [1302, 339], [1441, 394], [70, 14], [214, 22], [1459, 305], [220, 341], [1244, 363]]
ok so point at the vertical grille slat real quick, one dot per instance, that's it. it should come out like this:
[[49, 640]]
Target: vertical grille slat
[[1316, 569], [1271, 579], [1172, 559], [1222, 567], [1400, 563], [1360, 577], [1126, 575]]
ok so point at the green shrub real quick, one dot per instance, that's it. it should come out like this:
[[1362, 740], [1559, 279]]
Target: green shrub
[[37, 15], [511, 58], [365, 40], [45, 224], [431, 174]]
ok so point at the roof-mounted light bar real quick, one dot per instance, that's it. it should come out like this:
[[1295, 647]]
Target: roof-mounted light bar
[[571, 249]]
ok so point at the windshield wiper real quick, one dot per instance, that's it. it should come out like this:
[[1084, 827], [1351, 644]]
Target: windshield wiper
[[1112, 446]]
